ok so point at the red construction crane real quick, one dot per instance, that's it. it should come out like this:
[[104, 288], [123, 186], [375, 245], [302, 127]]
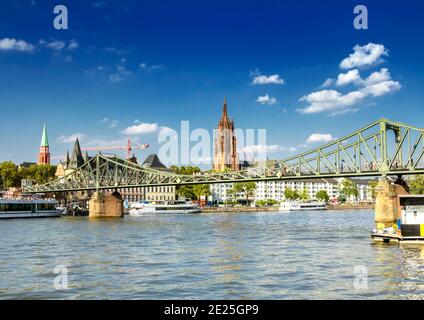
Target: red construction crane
[[128, 148]]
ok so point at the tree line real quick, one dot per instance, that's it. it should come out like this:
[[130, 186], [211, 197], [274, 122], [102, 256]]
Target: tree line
[[11, 174]]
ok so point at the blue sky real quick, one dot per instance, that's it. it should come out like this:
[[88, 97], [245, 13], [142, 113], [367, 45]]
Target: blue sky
[[152, 64]]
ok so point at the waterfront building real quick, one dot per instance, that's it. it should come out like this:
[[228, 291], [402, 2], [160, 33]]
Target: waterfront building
[[158, 193], [44, 154], [275, 189], [225, 147]]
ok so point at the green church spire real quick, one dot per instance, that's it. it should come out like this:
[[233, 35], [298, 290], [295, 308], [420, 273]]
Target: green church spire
[[44, 138]]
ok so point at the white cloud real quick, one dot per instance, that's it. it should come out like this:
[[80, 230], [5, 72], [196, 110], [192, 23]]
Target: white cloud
[[201, 160], [266, 99], [352, 76], [116, 77], [71, 138], [328, 83], [113, 124], [378, 76], [73, 44], [330, 100], [99, 4], [319, 137], [142, 128], [272, 79], [56, 45], [363, 56], [379, 89], [260, 148], [121, 74], [10, 44], [144, 66], [376, 84], [116, 51]]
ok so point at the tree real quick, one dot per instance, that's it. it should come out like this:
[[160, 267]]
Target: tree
[[266, 202], [186, 191], [246, 188], [201, 190], [416, 185], [373, 185], [291, 194], [322, 195], [348, 188], [9, 175], [304, 195]]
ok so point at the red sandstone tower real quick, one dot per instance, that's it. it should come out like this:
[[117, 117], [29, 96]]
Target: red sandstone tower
[[44, 155], [225, 153]]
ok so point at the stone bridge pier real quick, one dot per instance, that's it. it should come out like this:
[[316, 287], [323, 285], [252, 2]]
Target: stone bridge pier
[[387, 204], [106, 205]]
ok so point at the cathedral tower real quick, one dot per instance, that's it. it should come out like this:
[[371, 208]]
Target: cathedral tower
[[225, 149]]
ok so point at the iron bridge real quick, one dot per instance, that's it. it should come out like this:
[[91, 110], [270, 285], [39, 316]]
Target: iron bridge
[[382, 148]]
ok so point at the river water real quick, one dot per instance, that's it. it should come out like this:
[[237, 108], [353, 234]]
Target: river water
[[270, 255]]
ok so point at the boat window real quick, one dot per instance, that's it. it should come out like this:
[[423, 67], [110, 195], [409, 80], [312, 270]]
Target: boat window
[[406, 201], [19, 207], [2, 207], [45, 206]]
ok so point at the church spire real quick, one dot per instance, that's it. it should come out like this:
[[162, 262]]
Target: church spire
[[44, 154], [44, 138], [224, 107], [77, 159]]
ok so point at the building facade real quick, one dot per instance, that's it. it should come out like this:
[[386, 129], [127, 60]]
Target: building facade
[[44, 153], [225, 146], [275, 190]]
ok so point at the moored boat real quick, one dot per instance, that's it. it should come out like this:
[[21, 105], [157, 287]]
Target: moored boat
[[409, 227], [176, 206], [302, 205], [28, 208]]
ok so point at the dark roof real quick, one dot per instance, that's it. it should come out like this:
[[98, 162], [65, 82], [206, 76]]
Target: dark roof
[[77, 158], [27, 164], [153, 161]]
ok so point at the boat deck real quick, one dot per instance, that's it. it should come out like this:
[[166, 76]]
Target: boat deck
[[395, 238]]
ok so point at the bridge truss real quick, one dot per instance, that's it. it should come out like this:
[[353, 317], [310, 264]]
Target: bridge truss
[[382, 148]]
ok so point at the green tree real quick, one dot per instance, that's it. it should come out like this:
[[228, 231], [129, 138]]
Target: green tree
[[322, 195], [9, 176], [246, 188], [348, 188], [416, 185], [373, 186], [291, 194], [304, 195], [202, 190], [187, 192]]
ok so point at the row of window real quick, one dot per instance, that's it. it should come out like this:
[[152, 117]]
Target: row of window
[[10, 207], [163, 189]]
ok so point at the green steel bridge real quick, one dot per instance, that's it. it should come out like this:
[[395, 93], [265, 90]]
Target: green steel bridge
[[382, 148]]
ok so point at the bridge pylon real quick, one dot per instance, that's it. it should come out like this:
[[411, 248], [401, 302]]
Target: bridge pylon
[[387, 204], [109, 205]]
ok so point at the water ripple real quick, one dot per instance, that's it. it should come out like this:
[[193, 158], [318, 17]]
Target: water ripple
[[308, 255]]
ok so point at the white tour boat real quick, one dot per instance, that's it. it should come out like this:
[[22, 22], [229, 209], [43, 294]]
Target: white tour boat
[[176, 206], [302, 205], [28, 208]]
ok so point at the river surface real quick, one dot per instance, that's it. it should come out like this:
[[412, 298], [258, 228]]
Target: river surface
[[270, 255]]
